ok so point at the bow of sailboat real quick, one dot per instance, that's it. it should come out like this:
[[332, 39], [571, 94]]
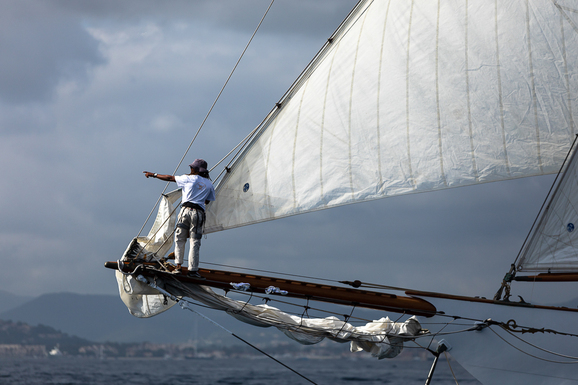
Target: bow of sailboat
[[404, 98]]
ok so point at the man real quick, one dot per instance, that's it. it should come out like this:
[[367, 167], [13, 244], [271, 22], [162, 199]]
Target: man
[[197, 190]]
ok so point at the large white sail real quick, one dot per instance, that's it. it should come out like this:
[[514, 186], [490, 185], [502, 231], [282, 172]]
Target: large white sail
[[553, 244], [413, 96]]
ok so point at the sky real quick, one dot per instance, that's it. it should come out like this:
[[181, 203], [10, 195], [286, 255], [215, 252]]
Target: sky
[[93, 93]]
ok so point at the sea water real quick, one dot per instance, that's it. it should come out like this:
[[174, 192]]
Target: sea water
[[69, 370]]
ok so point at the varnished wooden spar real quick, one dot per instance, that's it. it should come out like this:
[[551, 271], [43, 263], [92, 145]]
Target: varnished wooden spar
[[299, 289], [548, 277]]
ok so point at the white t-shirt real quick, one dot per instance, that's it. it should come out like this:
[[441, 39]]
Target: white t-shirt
[[196, 189]]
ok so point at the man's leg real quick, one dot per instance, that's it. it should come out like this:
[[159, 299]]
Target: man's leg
[[181, 235], [196, 235]]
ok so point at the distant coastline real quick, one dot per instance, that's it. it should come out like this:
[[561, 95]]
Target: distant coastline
[[18, 339]]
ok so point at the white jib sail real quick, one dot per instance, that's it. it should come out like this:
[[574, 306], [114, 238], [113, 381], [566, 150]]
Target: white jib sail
[[413, 96], [553, 246]]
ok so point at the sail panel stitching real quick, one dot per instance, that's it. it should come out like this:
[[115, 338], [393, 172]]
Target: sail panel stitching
[[440, 144], [295, 143], [322, 129], [533, 86], [407, 78], [378, 99], [266, 180], [471, 135], [566, 75], [351, 106], [500, 94]]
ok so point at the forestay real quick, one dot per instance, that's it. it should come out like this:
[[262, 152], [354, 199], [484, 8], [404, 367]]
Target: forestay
[[553, 244], [413, 96]]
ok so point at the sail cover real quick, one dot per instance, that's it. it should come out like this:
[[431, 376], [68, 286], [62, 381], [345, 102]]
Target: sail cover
[[413, 96], [553, 244]]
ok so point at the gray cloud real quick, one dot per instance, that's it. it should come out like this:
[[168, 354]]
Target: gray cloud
[[38, 48], [302, 17]]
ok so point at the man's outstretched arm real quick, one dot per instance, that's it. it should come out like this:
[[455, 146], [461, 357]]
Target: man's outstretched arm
[[167, 178]]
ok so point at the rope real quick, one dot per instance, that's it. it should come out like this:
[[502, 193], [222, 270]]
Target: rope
[[537, 347], [546, 199], [210, 111], [184, 305], [289, 326], [450, 365], [271, 272], [532, 355], [224, 85]]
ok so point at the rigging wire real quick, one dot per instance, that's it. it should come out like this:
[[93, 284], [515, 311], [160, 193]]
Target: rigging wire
[[384, 335], [337, 331], [539, 348], [271, 272], [505, 285], [547, 198], [532, 355], [183, 304], [450, 365], [334, 331], [241, 143], [289, 326], [224, 85], [210, 111], [300, 79]]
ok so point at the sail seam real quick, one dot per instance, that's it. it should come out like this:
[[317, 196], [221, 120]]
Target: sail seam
[[295, 143], [440, 143], [533, 87], [407, 81], [379, 187], [474, 165], [568, 19], [500, 95], [351, 106], [266, 181], [549, 205], [566, 77], [323, 123]]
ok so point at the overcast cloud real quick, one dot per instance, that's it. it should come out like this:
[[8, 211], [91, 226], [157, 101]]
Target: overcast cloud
[[94, 92]]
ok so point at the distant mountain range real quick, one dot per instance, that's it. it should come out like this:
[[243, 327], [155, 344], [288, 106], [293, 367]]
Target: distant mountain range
[[105, 318], [9, 301]]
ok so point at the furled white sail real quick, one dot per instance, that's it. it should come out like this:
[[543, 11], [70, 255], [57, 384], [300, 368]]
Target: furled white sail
[[382, 338], [141, 300], [160, 237], [413, 96], [553, 246]]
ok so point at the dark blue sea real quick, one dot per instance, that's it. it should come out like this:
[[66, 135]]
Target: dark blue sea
[[69, 370]]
